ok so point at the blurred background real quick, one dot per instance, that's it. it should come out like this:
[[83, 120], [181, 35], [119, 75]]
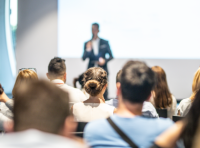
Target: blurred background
[[163, 33]]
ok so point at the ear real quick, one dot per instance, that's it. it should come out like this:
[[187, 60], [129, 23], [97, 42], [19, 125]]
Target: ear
[[151, 96], [119, 91], [118, 84], [105, 86], [47, 74], [70, 127], [65, 76]]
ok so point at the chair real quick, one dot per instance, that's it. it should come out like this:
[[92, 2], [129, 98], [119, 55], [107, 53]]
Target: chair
[[162, 112], [80, 129], [177, 118]]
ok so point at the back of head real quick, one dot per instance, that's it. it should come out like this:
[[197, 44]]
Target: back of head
[[195, 83], [94, 80], [118, 77], [163, 97], [137, 81], [24, 76], [192, 121], [57, 67], [40, 105]]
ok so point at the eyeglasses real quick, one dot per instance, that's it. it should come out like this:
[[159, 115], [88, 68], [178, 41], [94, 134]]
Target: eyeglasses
[[33, 69]]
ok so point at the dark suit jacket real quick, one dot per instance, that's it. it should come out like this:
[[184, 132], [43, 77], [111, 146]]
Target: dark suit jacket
[[104, 49]]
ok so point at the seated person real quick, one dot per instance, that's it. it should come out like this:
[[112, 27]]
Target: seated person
[[6, 104], [41, 118], [80, 81], [137, 82], [185, 104], [185, 129], [148, 110], [95, 83], [57, 75], [161, 95]]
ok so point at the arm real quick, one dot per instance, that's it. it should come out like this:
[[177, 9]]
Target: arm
[[109, 52], [170, 136], [86, 53]]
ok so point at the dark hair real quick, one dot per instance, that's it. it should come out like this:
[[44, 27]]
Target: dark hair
[[163, 97], [40, 105], [137, 81], [96, 24], [94, 80], [192, 122], [1, 89], [118, 77], [80, 80], [57, 66]]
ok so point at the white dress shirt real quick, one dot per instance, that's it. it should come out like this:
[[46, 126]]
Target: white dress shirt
[[75, 95], [36, 139], [95, 46]]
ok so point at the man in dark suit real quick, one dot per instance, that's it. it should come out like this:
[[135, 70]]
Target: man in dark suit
[[98, 51]]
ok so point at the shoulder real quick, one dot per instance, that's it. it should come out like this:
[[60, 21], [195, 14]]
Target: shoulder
[[94, 128], [162, 123], [184, 101], [103, 40]]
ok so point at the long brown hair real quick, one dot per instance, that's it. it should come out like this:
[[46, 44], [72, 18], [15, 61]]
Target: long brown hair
[[195, 84], [24, 76], [163, 97]]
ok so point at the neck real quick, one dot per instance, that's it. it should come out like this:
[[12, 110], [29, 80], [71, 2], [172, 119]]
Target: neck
[[58, 78], [97, 99], [127, 109], [95, 37]]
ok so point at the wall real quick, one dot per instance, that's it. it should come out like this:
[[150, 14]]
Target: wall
[[36, 35], [179, 73], [6, 75]]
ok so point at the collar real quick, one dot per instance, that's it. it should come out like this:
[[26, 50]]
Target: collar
[[97, 40], [57, 81]]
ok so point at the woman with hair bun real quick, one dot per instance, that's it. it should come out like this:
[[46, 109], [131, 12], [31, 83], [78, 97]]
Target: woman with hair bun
[[95, 83]]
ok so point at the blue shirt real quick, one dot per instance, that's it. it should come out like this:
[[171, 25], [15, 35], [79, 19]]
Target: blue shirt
[[141, 130]]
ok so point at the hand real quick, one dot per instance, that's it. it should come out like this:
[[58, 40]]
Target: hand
[[3, 98], [102, 61], [89, 46]]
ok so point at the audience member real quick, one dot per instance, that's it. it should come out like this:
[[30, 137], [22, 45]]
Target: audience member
[[114, 102], [95, 83], [80, 81], [137, 82], [41, 118], [186, 129], [162, 98], [148, 110], [6, 104], [57, 74], [185, 104]]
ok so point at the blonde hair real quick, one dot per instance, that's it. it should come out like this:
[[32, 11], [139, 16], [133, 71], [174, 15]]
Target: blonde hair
[[24, 76], [195, 84]]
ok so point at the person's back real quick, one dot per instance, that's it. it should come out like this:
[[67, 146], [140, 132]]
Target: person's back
[[137, 81], [86, 112], [41, 118], [95, 83], [57, 74], [141, 130]]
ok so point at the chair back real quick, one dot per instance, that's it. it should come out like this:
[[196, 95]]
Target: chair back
[[80, 129], [162, 112], [177, 118]]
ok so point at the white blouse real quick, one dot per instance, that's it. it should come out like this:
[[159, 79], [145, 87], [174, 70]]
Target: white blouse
[[171, 110], [86, 112], [184, 106]]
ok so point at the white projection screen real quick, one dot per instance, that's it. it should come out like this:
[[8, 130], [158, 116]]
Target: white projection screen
[[135, 29]]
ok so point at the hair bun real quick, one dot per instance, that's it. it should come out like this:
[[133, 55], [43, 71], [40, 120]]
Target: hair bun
[[93, 87]]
